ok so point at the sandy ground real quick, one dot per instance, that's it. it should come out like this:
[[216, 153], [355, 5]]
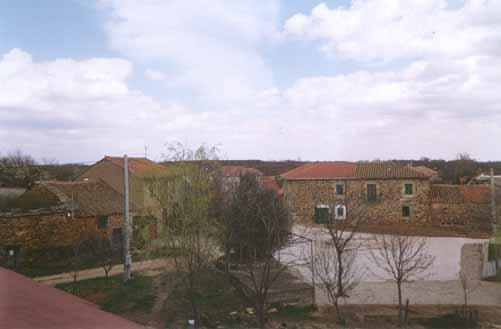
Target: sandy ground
[[148, 266], [445, 250], [440, 286], [421, 292]]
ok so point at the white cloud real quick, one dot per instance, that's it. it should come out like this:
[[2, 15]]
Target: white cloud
[[211, 46], [372, 30], [428, 108], [155, 75], [438, 102]]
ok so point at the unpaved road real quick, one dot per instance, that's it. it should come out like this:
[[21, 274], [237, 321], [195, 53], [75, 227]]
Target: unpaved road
[[148, 266], [421, 292]]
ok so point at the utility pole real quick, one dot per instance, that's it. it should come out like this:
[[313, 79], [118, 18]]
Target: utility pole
[[126, 224], [493, 203]]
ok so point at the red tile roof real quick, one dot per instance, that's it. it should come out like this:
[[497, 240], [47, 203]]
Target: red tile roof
[[425, 170], [270, 182], [476, 193], [89, 197], [26, 304], [375, 170], [351, 170], [322, 170], [460, 193], [139, 166]]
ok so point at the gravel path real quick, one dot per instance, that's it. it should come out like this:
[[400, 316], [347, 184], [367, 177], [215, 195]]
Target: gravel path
[[421, 292], [148, 266]]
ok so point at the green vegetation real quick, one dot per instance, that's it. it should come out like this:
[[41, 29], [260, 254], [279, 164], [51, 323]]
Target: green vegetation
[[216, 300], [295, 312], [137, 295]]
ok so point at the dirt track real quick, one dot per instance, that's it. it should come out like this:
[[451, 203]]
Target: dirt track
[[147, 266]]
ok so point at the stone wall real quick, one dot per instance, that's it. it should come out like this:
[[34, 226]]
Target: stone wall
[[472, 260], [462, 217], [50, 229], [303, 196]]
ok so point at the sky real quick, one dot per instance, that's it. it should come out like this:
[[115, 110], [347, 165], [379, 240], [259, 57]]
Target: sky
[[270, 80]]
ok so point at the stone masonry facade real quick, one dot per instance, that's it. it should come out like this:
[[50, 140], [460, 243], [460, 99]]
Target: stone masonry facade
[[424, 206], [52, 229], [303, 196]]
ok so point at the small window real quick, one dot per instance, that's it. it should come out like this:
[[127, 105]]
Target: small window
[[102, 222], [339, 189], [116, 238], [371, 192], [409, 189], [340, 212], [322, 214], [406, 211]]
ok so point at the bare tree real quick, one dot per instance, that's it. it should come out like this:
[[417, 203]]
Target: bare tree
[[326, 271], [78, 252], [467, 286], [189, 227], [341, 229], [102, 250], [256, 228], [18, 169], [401, 258]]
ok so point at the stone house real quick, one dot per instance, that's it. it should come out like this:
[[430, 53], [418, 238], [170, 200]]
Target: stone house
[[111, 170], [54, 214], [390, 195], [461, 207]]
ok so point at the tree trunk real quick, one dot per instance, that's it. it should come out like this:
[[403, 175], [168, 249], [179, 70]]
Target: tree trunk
[[465, 311], [400, 308], [340, 270], [196, 312], [339, 316], [260, 314]]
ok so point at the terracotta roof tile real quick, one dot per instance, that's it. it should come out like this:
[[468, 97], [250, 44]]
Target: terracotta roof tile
[[322, 170], [373, 170], [270, 182], [89, 197], [351, 170], [476, 193], [460, 193], [446, 194], [139, 166], [425, 170]]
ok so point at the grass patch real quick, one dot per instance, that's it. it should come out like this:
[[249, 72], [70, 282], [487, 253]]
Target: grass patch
[[451, 320], [293, 312], [216, 301], [116, 296]]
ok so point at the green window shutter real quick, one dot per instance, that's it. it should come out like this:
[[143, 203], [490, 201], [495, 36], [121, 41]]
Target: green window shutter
[[408, 189], [371, 192], [102, 221], [321, 215]]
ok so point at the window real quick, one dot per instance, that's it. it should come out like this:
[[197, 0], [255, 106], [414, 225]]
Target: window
[[340, 212], [409, 189], [116, 238], [406, 211], [322, 214], [371, 192], [102, 221], [339, 189]]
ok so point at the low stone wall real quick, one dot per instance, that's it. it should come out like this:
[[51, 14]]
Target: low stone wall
[[55, 229], [462, 217], [472, 260]]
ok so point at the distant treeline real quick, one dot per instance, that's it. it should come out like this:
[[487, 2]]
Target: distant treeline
[[21, 170]]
